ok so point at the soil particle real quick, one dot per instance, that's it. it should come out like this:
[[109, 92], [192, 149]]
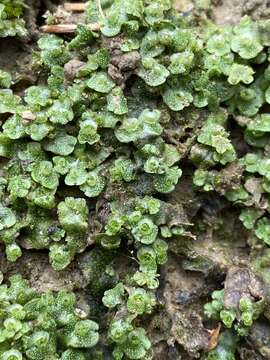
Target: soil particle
[[187, 286], [127, 61], [71, 69], [220, 246], [259, 338], [241, 282], [172, 215], [183, 128], [187, 328], [122, 66], [103, 211], [231, 11], [32, 11], [258, 9], [228, 12], [188, 331], [248, 354], [165, 352], [48, 279], [254, 187], [28, 116], [184, 194], [35, 267], [15, 58], [113, 44], [159, 327], [231, 177]]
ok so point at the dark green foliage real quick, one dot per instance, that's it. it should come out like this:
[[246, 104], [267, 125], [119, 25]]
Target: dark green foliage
[[11, 23], [34, 325], [241, 317]]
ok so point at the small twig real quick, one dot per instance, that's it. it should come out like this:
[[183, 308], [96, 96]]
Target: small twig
[[100, 8], [67, 28], [79, 7]]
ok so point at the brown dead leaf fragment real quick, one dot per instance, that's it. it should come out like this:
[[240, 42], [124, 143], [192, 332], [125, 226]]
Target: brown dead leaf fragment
[[214, 337]]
